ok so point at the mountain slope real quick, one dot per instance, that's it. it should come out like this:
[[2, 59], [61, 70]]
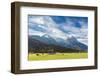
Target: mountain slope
[[46, 40], [37, 46]]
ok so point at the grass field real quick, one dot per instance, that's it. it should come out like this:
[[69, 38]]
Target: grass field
[[46, 56]]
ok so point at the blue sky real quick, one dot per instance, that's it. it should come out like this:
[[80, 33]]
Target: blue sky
[[75, 20], [59, 26]]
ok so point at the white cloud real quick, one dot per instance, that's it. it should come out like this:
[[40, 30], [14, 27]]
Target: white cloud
[[80, 33], [37, 19], [33, 32], [49, 25], [52, 29]]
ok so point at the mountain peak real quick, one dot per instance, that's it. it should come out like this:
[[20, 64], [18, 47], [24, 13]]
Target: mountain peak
[[72, 38]]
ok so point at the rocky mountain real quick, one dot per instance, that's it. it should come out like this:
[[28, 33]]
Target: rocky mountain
[[45, 40], [37, 46]]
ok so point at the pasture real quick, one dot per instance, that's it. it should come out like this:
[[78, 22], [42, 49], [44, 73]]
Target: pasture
[[46, 56]]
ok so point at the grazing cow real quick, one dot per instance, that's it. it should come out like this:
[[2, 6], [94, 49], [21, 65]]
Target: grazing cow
[[37, 54]]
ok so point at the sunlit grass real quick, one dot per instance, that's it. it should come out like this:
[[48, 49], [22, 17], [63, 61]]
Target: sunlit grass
[[47, 56]]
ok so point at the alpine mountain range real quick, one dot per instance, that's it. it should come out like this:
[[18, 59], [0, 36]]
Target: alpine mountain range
[[57, 32]]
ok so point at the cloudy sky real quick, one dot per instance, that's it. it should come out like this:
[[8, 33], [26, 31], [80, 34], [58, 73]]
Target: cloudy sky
[[59, 27]]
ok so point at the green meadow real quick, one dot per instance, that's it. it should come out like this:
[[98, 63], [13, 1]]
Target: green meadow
[[46, 56]]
